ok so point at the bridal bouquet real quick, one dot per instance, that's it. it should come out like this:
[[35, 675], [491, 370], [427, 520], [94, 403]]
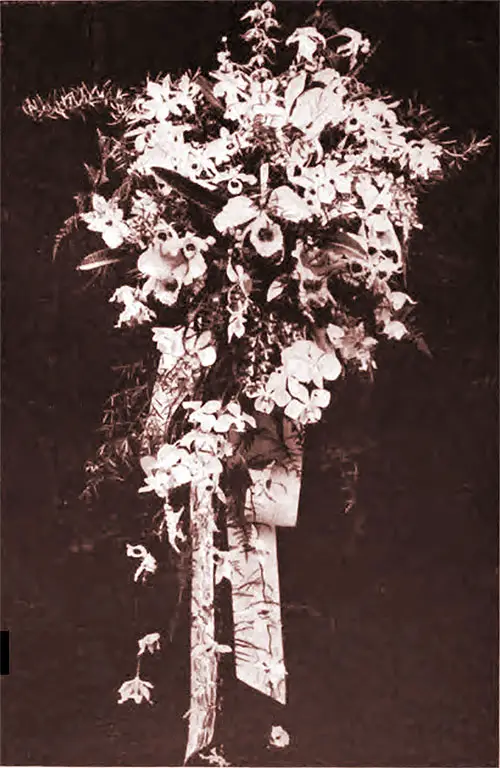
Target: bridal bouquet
[[258, 218]]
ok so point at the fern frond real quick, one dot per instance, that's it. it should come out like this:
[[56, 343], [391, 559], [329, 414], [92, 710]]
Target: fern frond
[[69, 226]]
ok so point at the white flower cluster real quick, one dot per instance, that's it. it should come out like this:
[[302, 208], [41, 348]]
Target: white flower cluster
[[308, 181], [302, 363], [197, 457]]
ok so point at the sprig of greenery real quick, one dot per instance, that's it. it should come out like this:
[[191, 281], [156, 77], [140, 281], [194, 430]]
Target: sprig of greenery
[[67, 102]]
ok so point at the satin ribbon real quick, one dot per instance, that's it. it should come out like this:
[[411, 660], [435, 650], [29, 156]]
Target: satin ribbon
[[271, 501]]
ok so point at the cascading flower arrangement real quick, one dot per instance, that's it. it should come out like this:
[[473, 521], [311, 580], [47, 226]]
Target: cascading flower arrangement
[[262, 216]]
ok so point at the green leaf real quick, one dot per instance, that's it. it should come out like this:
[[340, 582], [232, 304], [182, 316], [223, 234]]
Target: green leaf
[[276, 288], [96, 260]]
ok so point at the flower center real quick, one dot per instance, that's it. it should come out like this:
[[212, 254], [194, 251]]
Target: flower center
[[171, 284], [265, 234]]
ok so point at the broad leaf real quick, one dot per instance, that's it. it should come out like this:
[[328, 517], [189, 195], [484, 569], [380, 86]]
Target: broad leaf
[[204, 197]]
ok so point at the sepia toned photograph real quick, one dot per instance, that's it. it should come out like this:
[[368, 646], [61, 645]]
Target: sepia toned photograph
[[250, 383]]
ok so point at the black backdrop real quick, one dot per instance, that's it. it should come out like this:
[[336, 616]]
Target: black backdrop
[[392, 660]]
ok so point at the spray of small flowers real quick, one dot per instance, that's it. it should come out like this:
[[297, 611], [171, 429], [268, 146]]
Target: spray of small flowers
[[267, 209]]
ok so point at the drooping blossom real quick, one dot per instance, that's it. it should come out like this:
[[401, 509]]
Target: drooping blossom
[[147, 564], [279, 738], [135, 311], [136, 689], [150, 643]]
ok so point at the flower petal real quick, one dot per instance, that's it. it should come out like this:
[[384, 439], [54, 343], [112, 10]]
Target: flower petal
[[286, 203], [112, 236], [329, 366], [320, 398], [297, 390], [207, 356], [294, 410], [237, 211], [264, 405], [266, 236]]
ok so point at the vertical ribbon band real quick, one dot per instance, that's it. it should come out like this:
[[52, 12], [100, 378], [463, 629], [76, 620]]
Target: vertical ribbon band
[[271, 500]]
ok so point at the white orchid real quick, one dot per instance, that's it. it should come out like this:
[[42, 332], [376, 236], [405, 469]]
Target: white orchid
[[206, 451], [160, 102], [265, 235], [221, 150], [285, 387], [306, 362], [398, 299], [356, 44], [161, 145], [305, 407], [232, 86], [150, 643], [212, 417], [137, 689], [308, 40], [275, 392], [171, 261], [238, 299], [107, 219], [353, 345], [171, 468], [395, 329], [169, 341], [186, 93], [144, 207], [135, 312], [176, 343], [148, 563], [424, 158], [279, 738], [171, 520], [201, 346]]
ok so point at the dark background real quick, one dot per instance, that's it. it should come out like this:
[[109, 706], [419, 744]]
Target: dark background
[[393, 655]]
